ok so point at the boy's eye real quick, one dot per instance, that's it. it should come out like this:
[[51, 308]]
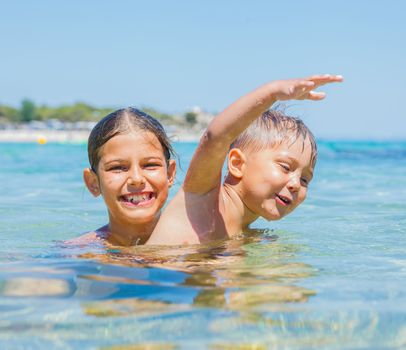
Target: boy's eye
[[305, 181], [285, 166]]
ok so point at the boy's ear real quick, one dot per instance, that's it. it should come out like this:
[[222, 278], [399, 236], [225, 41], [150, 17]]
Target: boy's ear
[[236, 162], [91, 181], [171, 172]]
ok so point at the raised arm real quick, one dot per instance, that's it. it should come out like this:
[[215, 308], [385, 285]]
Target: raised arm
[[204, 172]]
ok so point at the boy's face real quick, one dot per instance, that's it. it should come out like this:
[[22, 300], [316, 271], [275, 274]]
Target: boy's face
[[274, 180]]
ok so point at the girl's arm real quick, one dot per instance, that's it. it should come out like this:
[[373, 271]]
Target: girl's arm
[[204, 172]]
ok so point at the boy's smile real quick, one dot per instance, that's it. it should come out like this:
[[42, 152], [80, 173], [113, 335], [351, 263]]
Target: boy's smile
[[274, 180], [282, 199]]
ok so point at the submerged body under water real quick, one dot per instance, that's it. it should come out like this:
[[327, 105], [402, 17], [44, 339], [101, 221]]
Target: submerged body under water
[[331, 275]]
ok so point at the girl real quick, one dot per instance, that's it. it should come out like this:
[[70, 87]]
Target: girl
[[131, 167]]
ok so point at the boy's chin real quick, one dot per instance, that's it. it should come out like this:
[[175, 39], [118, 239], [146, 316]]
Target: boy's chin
[[274, 216]]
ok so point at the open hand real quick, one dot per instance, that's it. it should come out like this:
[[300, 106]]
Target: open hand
[[303, 89]]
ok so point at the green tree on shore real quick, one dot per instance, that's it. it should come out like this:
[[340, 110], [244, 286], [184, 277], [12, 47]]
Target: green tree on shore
[[80, 111], [9, 114], [28, 111], [191, 118]]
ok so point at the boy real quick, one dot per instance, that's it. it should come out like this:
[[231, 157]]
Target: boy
[[269, 167]]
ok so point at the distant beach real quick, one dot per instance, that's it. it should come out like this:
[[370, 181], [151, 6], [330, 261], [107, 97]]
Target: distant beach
[[75, 136], [43, 136], [73, 123]]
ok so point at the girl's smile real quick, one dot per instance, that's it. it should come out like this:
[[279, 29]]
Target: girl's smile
[[143, 199], [131, 168], [134, 177]]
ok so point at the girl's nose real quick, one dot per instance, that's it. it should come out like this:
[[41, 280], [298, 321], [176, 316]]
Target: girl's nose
[[136, 178]]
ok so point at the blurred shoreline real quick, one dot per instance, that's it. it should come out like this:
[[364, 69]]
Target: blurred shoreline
[[176, 134], [76, 136], [180, 128]]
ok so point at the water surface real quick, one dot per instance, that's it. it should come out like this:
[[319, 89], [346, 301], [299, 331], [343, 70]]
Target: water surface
[[331, 275]]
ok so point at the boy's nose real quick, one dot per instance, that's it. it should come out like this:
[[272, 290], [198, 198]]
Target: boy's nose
[[294, 183]]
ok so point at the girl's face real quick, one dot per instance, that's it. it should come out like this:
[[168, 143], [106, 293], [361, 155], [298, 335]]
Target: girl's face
[[133, 178]]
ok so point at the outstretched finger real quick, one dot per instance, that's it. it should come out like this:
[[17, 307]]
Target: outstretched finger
[[322, 79], [315, 95], [305, 83]]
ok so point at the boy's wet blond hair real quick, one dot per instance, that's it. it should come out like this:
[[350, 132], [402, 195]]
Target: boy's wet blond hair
[[272, 128]]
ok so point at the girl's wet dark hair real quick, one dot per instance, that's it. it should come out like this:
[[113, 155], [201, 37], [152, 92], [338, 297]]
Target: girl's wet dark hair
[[123, 121]]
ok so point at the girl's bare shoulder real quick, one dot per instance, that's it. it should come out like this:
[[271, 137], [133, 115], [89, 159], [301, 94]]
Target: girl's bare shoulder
[[89, 237]]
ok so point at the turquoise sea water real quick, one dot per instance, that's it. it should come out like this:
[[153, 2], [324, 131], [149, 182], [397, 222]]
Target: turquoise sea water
[[332, 275]]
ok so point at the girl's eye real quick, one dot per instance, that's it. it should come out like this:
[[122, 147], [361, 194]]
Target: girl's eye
[[152, 165], [118, 168]]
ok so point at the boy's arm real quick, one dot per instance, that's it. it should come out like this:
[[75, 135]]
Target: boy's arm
[[204, 172]]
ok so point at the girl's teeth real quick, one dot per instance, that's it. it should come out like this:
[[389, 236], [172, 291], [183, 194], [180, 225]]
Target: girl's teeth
[[141, 198]]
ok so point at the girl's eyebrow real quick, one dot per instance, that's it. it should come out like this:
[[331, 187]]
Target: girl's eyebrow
[[158, 157], [118, 160], [152, 157]]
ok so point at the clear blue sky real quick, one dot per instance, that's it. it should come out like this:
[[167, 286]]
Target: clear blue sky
[[173, 55]]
